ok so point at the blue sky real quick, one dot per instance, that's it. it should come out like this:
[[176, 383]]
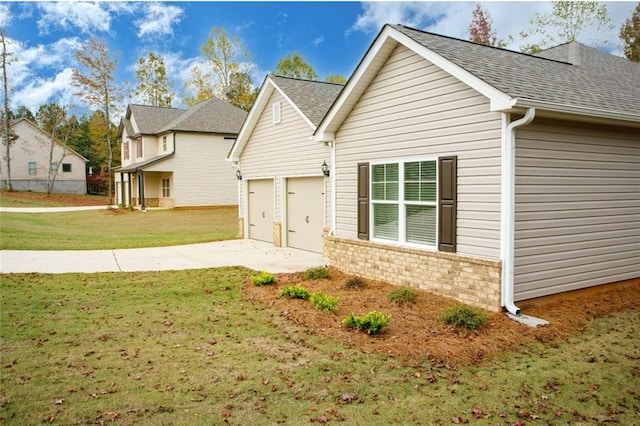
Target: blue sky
[[331, 36]]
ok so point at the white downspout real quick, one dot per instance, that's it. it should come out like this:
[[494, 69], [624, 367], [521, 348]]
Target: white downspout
[[509, 208], [332, 231]]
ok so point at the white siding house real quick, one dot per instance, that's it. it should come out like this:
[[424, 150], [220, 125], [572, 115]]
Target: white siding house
[[483, 174], [283, 194], [174, 158], [36, 163]]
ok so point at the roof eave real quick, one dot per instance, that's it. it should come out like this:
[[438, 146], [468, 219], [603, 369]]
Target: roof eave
[[610, 116]]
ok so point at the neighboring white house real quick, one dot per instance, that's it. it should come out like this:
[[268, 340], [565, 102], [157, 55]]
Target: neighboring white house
[[33, 165], [483, 174], [283, 197], [174, 158]]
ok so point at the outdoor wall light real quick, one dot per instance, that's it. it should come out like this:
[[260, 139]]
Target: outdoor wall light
[[325, 169], [239, 174]]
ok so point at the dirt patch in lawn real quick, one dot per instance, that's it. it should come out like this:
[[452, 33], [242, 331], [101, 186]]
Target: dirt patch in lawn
[[69, 200], [416, 331]]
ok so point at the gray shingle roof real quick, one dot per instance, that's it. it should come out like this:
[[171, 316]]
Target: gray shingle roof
[[210, 116], [593, 79], [314, 98], [151, 120]]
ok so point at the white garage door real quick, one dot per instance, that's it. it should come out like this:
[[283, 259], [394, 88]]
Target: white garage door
[[261, 209], [305, 213]]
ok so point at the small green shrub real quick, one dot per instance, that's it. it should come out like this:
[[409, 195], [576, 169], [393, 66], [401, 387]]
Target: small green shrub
[[295, 292], [324, 301], [370, 323], [355, 283], [264, 278], [403, 296], [317, 273], [464, 317]]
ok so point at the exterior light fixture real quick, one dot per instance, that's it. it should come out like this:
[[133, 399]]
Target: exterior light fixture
[[239, 174], [325, 169]]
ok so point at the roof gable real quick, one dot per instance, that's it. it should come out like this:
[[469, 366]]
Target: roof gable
[[605, 88], [311, 100], [35, 127]]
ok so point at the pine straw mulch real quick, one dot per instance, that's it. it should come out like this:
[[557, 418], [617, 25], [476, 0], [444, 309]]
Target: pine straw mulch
[[416, 331]]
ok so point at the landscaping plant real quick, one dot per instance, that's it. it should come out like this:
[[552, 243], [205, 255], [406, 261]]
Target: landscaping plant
[[371, 323], [320, 272], [263, 278], [404, 295], [464, 317], [295, 292], [324, 301]]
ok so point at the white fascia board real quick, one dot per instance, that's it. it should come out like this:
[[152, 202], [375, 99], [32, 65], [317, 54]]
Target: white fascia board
[[251, 120], [354, 81], [568, 109], [498, 99]]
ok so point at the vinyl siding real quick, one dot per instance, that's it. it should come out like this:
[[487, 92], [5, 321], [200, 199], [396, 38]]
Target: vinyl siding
[[33, 145], [201, 175], [413, 109], [577, 207], [282, 150]]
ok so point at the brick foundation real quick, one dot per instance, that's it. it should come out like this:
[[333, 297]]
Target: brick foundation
[[241, 227], [277, 234], [470, 280]]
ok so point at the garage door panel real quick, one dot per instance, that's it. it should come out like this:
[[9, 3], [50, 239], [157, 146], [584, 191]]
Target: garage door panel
[[261, 209], [305, 213]]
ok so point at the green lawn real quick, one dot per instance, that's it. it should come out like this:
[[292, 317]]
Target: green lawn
[[107, 229], [185, 347]]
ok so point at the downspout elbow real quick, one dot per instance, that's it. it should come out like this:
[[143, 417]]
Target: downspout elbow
[[509, 252]]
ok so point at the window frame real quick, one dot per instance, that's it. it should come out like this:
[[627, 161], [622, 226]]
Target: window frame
[[166, 189], [66, 166], [33, 168], [53, 167], [402, 203], [125, 149], [139, 149], [164, 143]]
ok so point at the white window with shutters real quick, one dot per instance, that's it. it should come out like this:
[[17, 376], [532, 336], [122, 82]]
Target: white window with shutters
[[404, 202]]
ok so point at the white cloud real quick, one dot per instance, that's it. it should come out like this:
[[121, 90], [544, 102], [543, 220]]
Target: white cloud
[[5, 15], [318, 40], [41, 90], [453, 18], [158, 20], [86, 17]]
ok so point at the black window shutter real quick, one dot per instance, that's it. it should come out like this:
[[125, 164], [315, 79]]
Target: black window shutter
[[447, 194], [363, 201]]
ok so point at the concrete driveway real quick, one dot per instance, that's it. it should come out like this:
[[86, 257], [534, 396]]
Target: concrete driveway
[[253, 254], [257, 255]]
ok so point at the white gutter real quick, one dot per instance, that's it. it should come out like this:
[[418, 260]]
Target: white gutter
[[508, 207]]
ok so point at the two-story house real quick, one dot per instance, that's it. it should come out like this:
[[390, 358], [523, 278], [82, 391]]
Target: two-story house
[[174, 157]]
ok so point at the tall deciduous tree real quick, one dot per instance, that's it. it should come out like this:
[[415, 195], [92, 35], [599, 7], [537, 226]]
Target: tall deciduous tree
[[95, 79], [335, 78], [7, 135], [480, 28], [565, 23], [294, 65], [153, 85], [52, 118], [241, 91], [630, 36], [226, 73]]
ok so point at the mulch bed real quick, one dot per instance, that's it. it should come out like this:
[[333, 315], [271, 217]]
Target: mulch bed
[[416, 331]]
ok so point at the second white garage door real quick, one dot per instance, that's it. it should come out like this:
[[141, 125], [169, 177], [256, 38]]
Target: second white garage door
[[305, 213], [261, 209]]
